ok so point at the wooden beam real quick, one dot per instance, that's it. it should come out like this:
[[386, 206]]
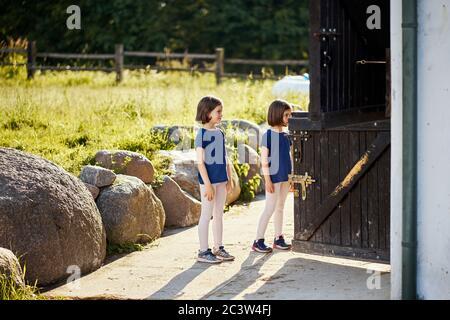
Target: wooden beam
[[220, 56], [359, 169], [314, 60], [93, 56], [13, 50], [71, 68], [170, 55], [268, 62], [118, 62], [378, 255], [31, 59]]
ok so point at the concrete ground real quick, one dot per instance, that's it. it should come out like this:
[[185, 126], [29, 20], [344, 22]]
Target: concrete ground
[[167, 269]]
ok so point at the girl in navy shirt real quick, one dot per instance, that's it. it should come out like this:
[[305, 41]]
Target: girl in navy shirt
[[276, 167], [214, 175]]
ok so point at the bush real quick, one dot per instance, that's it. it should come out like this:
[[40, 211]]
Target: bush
[[249, 187]]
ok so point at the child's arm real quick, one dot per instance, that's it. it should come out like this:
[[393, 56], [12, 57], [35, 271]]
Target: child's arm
[[265, 169], [202, 170]]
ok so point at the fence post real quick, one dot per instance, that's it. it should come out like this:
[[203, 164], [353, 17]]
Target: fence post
[[31, 59], [219, 64], [118, 58]]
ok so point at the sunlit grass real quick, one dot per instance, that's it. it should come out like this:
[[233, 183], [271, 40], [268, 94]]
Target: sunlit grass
[[67, 116]]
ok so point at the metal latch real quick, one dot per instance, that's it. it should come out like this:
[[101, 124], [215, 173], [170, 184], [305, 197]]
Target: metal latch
[[298, 148], [304, 180], [370, 62]]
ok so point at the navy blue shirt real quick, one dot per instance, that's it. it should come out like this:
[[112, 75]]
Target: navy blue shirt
[[213, 141], [280, 165]]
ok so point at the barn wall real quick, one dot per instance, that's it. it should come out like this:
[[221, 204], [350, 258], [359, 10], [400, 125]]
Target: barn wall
[[433, 269], [434, 149], [396, 145]]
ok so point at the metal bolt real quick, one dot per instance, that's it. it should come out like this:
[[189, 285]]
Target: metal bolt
[[334, 38], [324, 39], [334, 30], [324, 53], [325, 65]]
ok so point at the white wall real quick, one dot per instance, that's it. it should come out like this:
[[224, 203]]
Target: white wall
[[396, 148], [433, 149]]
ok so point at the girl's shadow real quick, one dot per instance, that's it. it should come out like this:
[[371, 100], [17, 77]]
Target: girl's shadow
[[244, 278], [174, 288]]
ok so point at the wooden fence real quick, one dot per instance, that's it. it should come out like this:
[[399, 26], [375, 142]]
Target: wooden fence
[[118, 57]]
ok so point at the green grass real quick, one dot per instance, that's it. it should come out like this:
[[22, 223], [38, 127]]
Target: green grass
[[67, 116], [10, 290], [113, 249]]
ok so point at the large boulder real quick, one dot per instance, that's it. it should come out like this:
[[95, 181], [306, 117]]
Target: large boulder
[[131, 211], [97, 176], [182, 210], [48, 218], [185, 173], [10, 267], [126, 162], [184, 170], [250, 130]]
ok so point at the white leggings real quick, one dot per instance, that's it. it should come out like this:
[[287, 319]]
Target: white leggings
[[274, 203], [212, 208]]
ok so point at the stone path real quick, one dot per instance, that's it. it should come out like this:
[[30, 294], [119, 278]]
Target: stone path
[[166, 269]]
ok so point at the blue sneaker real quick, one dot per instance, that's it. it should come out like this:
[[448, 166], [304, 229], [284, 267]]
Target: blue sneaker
[[280, 244], [259, 246], [208, 257], [222, 254]]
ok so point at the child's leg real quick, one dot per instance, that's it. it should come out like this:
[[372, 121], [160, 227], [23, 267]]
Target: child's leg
[[269, 208], [205, 216], [219, 203], [279, 209]]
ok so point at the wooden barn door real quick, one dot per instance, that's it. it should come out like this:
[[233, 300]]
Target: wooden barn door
[[345, 208], [348, 60]]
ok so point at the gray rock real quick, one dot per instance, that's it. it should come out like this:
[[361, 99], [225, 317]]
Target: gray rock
[[185, 170], [10, 267], [93, 190], [48, 218], [131, 212], [127, 163], [251, 131], [180, 135], [182, 210], [97, 176]]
